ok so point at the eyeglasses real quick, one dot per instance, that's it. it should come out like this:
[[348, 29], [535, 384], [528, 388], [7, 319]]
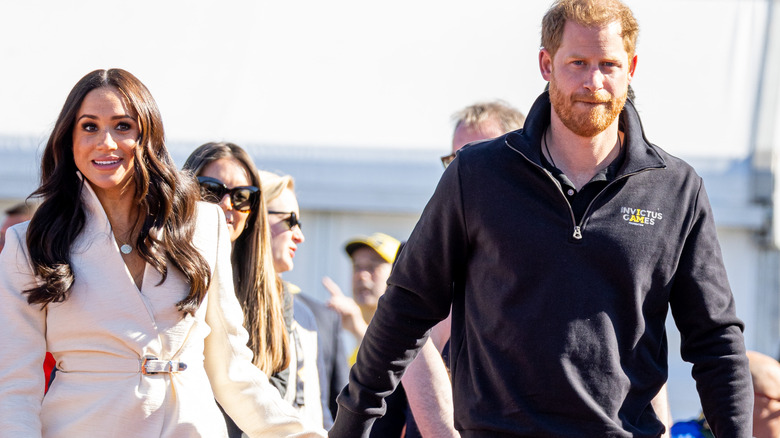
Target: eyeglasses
[[291, 220], [447, 159], [241, 198]]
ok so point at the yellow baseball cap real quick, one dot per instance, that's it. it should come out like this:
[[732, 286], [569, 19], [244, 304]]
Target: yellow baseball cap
[[384, 245]]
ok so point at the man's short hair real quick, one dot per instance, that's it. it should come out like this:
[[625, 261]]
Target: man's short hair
[[22, 208], [589, 13], [475, 115]]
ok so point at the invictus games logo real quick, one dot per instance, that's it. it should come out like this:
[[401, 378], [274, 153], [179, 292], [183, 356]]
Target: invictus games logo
[[640, 217]]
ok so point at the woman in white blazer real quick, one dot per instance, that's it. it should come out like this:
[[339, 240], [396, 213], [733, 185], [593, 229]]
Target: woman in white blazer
[[126, 279]]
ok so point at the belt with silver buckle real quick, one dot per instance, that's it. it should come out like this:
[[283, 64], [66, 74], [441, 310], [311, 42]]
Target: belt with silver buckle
[[152, 365]]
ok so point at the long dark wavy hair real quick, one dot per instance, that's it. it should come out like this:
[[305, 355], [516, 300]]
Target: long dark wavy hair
[[258, 288], [166, 199]]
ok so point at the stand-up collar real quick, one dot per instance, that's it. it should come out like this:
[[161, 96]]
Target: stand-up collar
[[640, 154], [93, 207]]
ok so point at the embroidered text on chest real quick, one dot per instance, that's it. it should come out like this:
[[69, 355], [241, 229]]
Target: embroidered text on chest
[[639, 216]]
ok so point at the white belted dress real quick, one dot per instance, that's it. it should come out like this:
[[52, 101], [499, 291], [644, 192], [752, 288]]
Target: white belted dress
[[107, 330]]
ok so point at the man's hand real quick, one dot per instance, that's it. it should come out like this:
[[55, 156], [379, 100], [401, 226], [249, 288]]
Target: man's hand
[[351, 317]]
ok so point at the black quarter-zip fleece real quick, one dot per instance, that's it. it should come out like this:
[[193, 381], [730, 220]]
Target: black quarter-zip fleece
[[558, 326]]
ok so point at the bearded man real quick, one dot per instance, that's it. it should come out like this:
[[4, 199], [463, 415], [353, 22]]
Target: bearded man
[[561, 248]]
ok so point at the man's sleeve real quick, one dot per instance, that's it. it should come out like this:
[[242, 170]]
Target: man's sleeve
[[419, 295], [704, 311]]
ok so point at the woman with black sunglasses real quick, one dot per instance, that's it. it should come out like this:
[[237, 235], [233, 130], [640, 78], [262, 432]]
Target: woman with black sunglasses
[[227, 176], [283, 218], [120, 275], [224, 169]]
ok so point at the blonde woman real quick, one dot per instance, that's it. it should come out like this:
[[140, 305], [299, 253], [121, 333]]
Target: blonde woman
[[286, 234]]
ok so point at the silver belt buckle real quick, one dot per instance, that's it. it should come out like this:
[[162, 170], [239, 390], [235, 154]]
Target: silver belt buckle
[[168, 367], [144, 370]]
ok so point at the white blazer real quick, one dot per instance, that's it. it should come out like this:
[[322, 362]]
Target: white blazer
[[100, 334]]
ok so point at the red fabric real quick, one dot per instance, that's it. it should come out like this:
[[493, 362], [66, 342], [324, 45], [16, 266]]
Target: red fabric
[[48, 367]]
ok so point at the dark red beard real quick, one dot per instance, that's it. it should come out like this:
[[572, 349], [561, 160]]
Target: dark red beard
[[586, 123]]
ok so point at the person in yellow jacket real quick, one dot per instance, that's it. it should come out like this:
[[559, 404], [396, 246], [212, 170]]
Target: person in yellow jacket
[[372, 259]]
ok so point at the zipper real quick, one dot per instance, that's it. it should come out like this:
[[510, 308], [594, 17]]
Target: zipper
[[578, 228], [577, 231]]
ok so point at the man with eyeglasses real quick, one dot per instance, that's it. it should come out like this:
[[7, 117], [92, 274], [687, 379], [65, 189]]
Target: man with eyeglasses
[[482, 121], [561, 248]]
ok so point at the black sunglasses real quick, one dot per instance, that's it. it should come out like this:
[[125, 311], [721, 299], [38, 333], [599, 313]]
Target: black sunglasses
[[291, 220], [241, 198]]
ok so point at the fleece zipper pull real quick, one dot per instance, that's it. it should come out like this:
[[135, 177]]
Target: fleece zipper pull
[[577, 232]]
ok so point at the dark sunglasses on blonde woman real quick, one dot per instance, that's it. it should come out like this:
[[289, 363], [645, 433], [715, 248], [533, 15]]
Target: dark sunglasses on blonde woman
[[291, 220], [241, 198]]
